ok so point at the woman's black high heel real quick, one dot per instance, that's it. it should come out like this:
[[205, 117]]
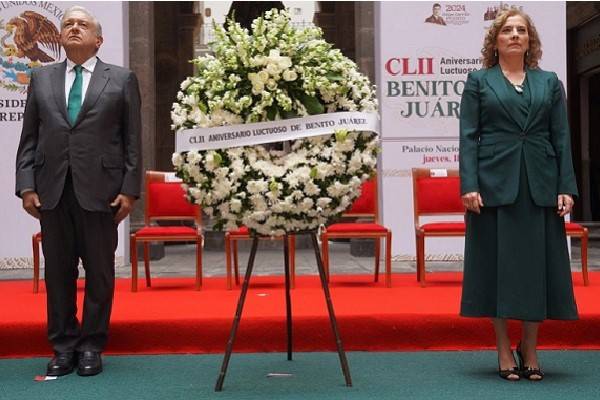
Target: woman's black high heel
[[526, 371], [507, 373]]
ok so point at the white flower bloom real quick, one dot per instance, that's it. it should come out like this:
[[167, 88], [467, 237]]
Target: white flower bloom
[[179, 118], [257, 186], [323, 202], [184, 85], [323, 170], [198, 117], [263, 76], [337, 189], [231, 225], [195, 193], [257, 88], [177, 160], [355, 162], [272, 69], [311, 189], [190, 100], [193, 157], [258, 202], [271, 84], [289, 75]]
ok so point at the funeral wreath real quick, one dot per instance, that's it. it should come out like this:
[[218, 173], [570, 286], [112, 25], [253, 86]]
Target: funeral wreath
[[272, 73]]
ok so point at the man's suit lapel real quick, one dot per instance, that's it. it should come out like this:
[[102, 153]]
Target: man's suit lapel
[[95, 88], [58, 87], [537, 89], [495, 80]]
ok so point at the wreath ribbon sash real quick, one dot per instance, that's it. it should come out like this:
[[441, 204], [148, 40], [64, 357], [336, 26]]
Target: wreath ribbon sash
[[228, 136]]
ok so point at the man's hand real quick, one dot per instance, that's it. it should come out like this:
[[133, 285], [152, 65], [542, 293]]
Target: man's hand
[[472, 201], [31, 203], [565, 204], [125, 204]]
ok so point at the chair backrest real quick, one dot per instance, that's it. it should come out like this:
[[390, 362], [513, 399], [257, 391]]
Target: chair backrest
[[436, 192], [365, 205], [165, 200]]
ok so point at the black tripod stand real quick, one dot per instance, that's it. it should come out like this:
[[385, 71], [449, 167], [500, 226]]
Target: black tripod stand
[[242, 299]]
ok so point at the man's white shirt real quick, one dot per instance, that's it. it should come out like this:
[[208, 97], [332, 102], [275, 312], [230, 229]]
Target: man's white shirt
[[87, 71]]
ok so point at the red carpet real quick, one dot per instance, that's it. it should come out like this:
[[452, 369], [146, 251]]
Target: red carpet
[[171, 317]]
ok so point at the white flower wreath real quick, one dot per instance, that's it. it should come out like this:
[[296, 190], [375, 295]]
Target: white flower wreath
[[276, 72]]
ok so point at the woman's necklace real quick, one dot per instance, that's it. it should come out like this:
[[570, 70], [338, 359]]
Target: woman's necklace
[[517, 86]]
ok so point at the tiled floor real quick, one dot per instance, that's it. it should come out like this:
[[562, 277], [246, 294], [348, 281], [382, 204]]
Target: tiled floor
[[179, 261]]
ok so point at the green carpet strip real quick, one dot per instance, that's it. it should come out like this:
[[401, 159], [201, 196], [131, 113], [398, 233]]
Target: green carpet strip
[[418, 375]]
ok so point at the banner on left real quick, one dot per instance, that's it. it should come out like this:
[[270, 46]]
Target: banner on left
[[28, 32]]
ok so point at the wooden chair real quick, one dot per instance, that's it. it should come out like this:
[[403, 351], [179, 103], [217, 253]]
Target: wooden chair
[[440, 195], [36, 239], [231, 249], [576, 230], [365, 206], [435, 193], [165, 201]]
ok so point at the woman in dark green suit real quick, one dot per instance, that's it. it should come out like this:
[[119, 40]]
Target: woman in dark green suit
[[517, 183]]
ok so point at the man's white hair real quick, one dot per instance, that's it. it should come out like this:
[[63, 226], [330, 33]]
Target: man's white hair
[[86, 12]]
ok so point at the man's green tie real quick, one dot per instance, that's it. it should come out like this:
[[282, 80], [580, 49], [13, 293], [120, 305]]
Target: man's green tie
[[74, 104]]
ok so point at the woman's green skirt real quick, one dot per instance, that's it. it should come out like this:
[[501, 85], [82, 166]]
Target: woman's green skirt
[[517, 262]]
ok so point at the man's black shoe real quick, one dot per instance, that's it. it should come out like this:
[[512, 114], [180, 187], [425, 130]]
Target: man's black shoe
[[61, 364], [90, 363]]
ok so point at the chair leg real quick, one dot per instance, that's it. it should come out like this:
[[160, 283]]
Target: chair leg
[[147, 264], [417, 261], [584, 257], [377, 257], [133, 260], [236, 269], [228, 260], [36, 263], [388, 259], [293, 259], [421, 259], [199, 243], [325, 256]]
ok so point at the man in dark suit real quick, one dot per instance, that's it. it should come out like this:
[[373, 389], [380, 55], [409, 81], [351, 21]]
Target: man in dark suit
[[436, 17], [78, 171]]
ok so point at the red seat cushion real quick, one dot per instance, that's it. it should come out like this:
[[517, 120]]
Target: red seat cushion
[[573, 227], [168, 199], [166, 231], [444, 226], [351, 227], [439, 195], [242, 231], [365, 203]]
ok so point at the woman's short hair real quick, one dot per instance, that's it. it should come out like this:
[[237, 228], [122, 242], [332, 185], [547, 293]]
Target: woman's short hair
[[489, 55]]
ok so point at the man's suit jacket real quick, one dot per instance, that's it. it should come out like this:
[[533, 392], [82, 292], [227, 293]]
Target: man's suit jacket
[[102, 147], [492, 141]]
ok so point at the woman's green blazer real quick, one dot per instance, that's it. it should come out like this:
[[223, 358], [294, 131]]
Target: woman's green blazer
[[492, 141]]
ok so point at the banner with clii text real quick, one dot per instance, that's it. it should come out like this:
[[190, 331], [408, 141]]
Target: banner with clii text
[[424, 51]]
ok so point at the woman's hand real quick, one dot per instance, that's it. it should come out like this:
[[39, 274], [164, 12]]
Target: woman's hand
[[565, 204], [472, 201]]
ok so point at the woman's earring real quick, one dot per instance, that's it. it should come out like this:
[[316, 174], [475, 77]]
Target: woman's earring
[[495, 53]]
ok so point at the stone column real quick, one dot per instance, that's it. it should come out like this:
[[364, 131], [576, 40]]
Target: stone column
[[141, 61], [175, 26], [364, 25]]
